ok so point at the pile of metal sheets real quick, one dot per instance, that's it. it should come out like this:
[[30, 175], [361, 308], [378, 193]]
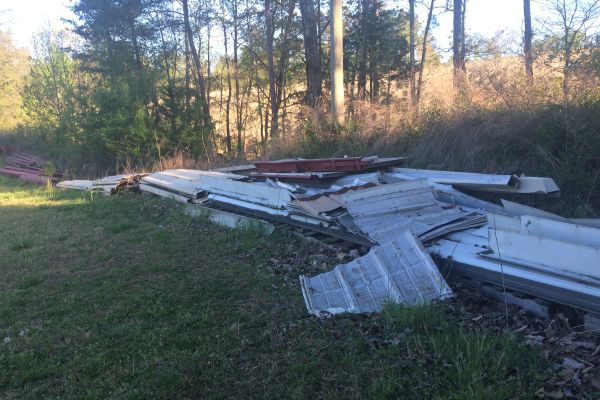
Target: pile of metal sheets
[[218, 186], [27, 167], [404, 216]]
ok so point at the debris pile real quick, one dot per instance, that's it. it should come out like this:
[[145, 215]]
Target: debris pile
[[27, 167], [414, 221], [107, 185]]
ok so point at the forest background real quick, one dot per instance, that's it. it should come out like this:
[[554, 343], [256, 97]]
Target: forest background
[[151, 84]]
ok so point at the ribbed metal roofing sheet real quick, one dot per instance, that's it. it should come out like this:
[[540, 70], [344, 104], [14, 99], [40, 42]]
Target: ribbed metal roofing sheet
[[386, 211], [398, 271]]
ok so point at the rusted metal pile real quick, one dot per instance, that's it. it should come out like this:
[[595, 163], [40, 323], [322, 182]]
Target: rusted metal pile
[[410, 222], [27, 167]]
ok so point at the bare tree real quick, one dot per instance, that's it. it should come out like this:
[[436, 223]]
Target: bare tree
[[424, 52], [271, 68], [199, 75], [236, 74], [228, 69], [527, 38], [413, 88], [571, 27]]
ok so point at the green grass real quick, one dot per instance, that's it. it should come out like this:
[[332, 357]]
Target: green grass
[[127, 298]]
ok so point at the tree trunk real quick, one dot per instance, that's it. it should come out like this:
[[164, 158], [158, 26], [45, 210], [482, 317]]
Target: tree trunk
[[566, 69], [337, 61], [457, 46], [362, 64], [311, 52], [424, 53], [187, 83], [271, 68], [199, 76], [411, 13], [236, 73], [228, 101], [527, 38], [208, 82]]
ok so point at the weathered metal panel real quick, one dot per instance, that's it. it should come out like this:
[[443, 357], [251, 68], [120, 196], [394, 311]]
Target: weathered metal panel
[[542, 241], [517, 209], [465, 258], [321, 164], [195, 174], [398, 271], [223, 184], [248, 206], [172, 184], [558, 230], [482, 182], [548, 252], [386, 211], [76, 184], [454, 177], [322, 204]]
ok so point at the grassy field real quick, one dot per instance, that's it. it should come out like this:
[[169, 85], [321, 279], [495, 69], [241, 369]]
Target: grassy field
[[126, 298]]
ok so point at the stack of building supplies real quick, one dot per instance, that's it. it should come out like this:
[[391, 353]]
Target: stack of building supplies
[[107, 185], [405, 216], [27, 167]]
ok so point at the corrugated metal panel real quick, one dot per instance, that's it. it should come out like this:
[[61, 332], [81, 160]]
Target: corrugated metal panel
[[386, 211], [399, 271]]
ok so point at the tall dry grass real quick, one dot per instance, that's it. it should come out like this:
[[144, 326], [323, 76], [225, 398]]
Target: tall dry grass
[[504, 124]]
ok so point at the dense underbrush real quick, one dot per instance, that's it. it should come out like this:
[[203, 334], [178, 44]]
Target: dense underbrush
[[544, 140]]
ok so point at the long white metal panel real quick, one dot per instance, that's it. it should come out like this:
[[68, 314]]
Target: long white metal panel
[[172, 184], [223, 184], [548, 228], [455, 177], [549, 252], [469, 254], [517, 209]]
